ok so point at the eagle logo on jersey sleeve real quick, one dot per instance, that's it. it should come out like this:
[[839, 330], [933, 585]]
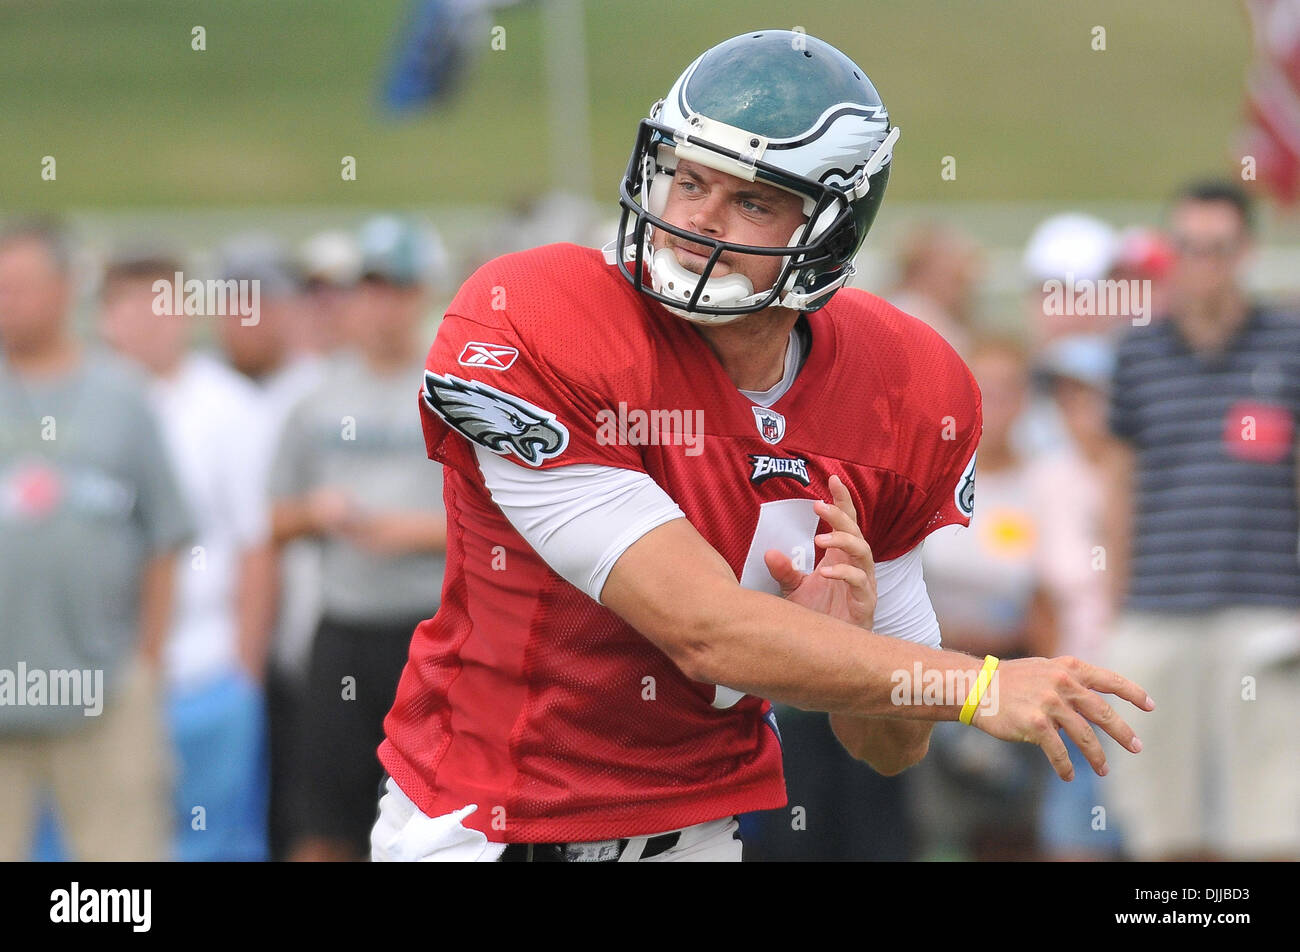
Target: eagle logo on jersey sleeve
[[494, 419], [964, 496]]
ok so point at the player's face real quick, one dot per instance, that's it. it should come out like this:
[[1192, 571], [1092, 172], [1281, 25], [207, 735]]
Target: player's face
[[718, 205]]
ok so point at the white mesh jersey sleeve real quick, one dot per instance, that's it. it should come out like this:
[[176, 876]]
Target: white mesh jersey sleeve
[[581, 518]]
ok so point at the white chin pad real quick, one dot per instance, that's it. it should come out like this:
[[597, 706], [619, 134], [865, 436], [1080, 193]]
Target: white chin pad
[[672, 280]]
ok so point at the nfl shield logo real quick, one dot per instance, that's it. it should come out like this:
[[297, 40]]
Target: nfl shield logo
[[771, 425]]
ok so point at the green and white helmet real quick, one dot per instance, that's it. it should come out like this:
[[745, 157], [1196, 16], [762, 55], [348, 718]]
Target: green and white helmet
[[774, 106]]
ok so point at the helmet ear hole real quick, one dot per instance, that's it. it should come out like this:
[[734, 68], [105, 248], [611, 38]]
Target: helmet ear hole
[[842, 244]]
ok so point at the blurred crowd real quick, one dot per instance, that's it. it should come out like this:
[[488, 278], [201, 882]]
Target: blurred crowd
[[1136, 507], [235, 521], [240, 532]]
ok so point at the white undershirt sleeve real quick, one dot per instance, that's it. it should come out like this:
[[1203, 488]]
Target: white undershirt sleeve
[[578, 518], [581, 518], [903, 608]]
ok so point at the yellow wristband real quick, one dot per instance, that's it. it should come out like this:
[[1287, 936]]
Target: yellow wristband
[[977, 692]]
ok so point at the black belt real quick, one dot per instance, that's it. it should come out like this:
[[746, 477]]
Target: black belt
[[607, 851]]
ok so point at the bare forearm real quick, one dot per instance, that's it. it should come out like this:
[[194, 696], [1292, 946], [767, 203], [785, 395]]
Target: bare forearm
[[157, 584], [417, 531], [888, 744], [763, 645], [682, 595], [291, 518], [258, 588], [1118, 517]]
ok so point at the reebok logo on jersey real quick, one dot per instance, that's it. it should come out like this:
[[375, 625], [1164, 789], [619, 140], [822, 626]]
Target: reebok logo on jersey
[[491, 356], [771, 467], [771, 425], [494, 419]]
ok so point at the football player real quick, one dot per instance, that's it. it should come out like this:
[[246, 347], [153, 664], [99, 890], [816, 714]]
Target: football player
[[686, 478]]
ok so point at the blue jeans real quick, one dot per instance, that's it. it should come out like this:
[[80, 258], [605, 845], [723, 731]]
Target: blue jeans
[[218, 731]]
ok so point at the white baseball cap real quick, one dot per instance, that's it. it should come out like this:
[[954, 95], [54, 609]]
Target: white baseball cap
[[1071, 243], [331, 256]]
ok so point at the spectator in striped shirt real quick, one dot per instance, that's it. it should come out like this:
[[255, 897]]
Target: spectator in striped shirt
[[1203, 527]]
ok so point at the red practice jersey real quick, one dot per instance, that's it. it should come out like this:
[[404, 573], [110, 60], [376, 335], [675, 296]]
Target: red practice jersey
[[525, 696]]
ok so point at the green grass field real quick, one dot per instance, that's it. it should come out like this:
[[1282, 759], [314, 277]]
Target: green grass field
[[1012, 90]]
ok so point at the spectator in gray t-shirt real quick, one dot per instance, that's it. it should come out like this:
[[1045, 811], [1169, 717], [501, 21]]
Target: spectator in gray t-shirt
[[90, 523], [351, 473], [344, 464]]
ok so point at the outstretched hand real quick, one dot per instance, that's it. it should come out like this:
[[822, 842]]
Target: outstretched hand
[[1039, 697], [1036, 697]]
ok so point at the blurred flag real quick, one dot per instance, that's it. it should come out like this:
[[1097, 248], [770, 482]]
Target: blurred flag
[[438, 41], [1272, 133]]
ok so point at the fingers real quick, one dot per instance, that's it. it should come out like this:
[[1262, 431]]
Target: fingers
[[781, 568], [847, 572], [836, 517], [1042, 698], [842, 516], [1078, 687], [843, 501], [1081, 732], [854, 546], [1108, 682], [1057, 753], [861, 593], [1094, 708]]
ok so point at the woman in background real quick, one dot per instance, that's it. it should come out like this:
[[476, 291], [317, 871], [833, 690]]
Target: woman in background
[[973, 798]]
